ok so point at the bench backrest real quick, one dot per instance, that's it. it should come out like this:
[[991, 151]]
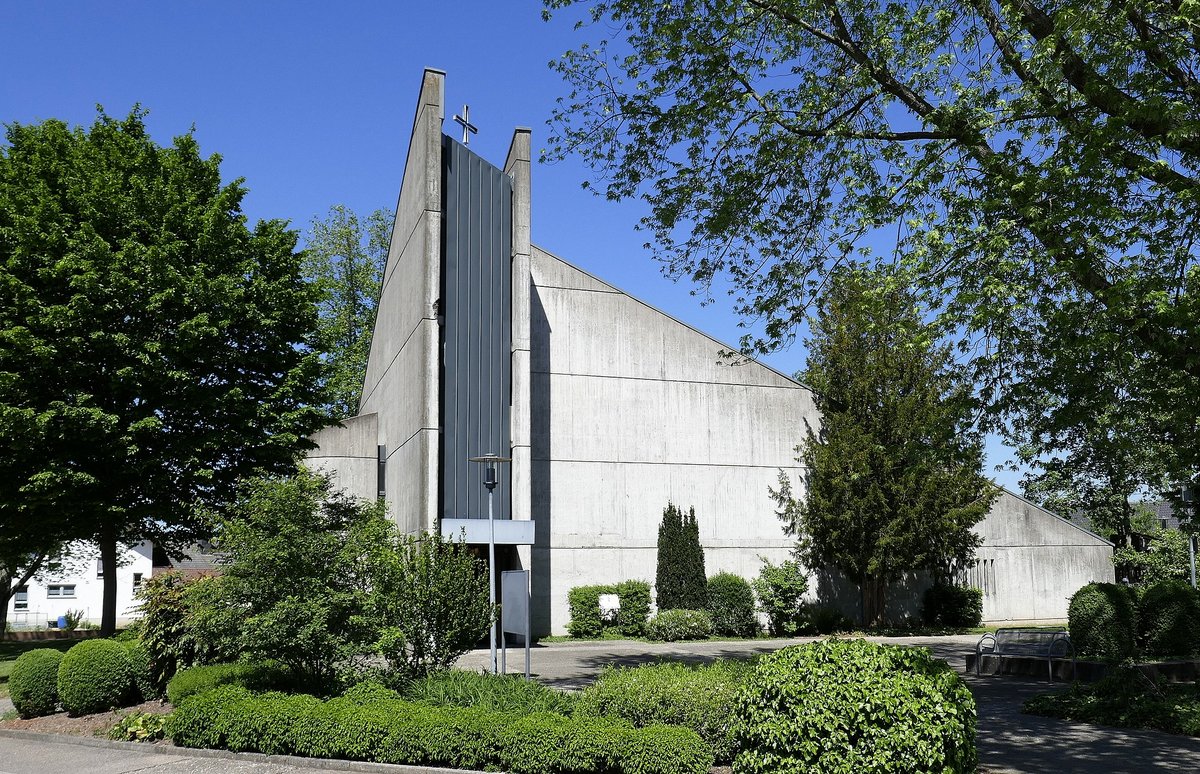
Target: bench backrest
[[1032, 640]]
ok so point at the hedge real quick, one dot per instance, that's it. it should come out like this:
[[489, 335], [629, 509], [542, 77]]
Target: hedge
[[850, 705], [1169, 618], [584, 602], [731, 606], [94, 676], [673, 625], [198, 679], [1102, 619], [501, 693], [394, 731], [634, 598], [701, 698], [33, 684], [956, 607]]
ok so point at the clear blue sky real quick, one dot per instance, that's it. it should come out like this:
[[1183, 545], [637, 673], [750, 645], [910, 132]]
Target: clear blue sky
[[311, 102]]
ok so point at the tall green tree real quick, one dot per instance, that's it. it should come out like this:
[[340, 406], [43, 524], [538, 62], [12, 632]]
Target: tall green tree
[[679, 579], [894, 480], [1035, 161], [345, 257], [154, 349]]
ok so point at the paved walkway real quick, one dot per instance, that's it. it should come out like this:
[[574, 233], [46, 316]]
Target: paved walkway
[[1008, 740]]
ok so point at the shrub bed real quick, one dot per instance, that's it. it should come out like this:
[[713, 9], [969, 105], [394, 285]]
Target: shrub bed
[[584, 601], [394, 731], [956, 607], [1102, 620], [1169, 618], [731, 606], [849, 705], [94, 676], [501, 693], [674, 625], [702, 698], [634, 597], [198, 679], [1125, 699], [33, 684]]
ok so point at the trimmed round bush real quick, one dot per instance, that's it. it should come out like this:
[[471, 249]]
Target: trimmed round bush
[[1102, 620], [731, 605], [850, 705], [143, 671], [1170, 619], [94, 676], [956, 607], [673, 625], [33, 683]]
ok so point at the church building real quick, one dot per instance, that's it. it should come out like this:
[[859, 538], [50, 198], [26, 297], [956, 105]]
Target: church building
[[608, 408]]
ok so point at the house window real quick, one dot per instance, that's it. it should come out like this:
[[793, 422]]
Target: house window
[[61, 591], [137, 581], [21, 598], [99, 568]]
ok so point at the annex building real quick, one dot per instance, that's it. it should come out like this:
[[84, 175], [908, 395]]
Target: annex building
[[608, 408]]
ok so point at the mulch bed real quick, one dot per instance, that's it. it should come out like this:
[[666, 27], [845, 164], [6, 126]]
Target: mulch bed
[[84, 725]]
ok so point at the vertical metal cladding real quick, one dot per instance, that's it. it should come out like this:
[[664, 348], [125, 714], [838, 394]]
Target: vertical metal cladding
[[476, 301]]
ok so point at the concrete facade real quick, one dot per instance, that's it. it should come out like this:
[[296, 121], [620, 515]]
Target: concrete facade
[[1032, 561], [615, 409]]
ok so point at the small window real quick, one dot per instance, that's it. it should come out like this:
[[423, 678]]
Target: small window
[[21, 598], [137, 581], [99, 568], [61, 590]]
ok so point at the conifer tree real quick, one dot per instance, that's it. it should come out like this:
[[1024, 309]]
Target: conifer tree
[[680, 580], [894, 478]]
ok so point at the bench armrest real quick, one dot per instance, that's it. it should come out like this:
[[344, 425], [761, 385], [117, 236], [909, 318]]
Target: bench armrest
[[984, 641]]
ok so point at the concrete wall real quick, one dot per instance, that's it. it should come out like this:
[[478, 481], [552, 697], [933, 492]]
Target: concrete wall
[[632, 409], [81, 572], [1032, 561], [349, 453]]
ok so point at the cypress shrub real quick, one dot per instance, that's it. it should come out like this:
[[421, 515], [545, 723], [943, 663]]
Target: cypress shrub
[[957, 607], [1102, 620], [850, 705], [634, 596], [584, 601], [33, 684], [680, 578], [731, 606], [1170, 619], [94, 676]]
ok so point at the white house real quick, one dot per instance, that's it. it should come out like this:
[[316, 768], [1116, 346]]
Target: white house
[[80, 587]]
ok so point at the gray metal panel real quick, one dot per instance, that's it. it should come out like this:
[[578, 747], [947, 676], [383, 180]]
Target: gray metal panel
[[514, 532], [476, 303]]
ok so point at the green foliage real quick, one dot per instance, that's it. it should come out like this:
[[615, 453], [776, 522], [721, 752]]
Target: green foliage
[[894, 475], [821, 619], [73, 619], [174, 611], [373, 727], [252, 676], [344, 257], [780, 589], [139, 727], [955, 607], [33, 684], [849, 705], [674, 625], [731, 606], [1032, 164], [1102, 620], [1125, 698], [634, 599], [143, 674], [702, 698], [586, 618], [431, 601], [301, 573], [155, 348], [1166, 558], [498, 693], [94, 676], [1169, 620], [679, 579]]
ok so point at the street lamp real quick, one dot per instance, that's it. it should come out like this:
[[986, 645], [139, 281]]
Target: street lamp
[[489, 481]]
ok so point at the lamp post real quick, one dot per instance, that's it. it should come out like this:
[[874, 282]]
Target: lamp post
[[489, 481]]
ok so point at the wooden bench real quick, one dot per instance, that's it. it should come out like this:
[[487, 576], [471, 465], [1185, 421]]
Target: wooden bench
[[1037, 643]]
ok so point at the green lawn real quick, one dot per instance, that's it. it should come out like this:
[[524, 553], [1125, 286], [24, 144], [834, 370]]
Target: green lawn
[[9, 650]]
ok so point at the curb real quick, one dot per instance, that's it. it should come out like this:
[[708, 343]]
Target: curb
[[331, 764]]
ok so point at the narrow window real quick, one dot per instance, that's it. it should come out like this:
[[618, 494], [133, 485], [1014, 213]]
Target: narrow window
[[381, 473], [99, 568], [21, 598], [137, 581]]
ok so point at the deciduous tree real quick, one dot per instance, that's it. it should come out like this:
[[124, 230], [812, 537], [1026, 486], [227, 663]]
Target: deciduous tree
[[154, 349]]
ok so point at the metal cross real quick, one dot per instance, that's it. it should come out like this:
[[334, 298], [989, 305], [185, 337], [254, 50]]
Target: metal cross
[[468, 127]]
